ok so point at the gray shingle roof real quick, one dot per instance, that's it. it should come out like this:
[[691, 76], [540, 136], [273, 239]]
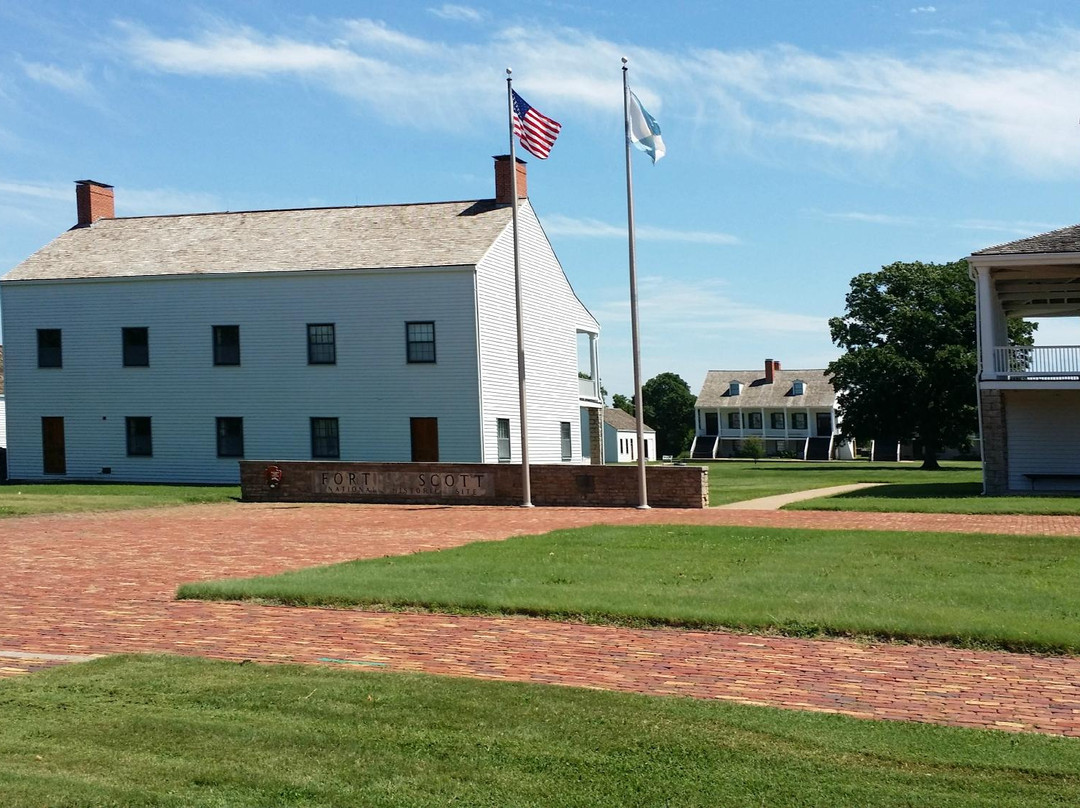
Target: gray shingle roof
[[1063, 240], [757, 393], [622, 420], [372, 237]]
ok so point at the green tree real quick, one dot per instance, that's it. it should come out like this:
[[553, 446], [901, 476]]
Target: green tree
[[669, 409], [621, 402], [910, 362]]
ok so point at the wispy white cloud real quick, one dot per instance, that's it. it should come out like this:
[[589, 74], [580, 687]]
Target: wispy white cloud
[[872, 218], [450, 11], [377, 34], [235, 52], [158, 201], [129, 201], [372, 63], [33, 207], [37, 190], [73, 82], [1017, 228], [558, 224], [701, 309], [1025, 228], [924, 10], [991, 97]]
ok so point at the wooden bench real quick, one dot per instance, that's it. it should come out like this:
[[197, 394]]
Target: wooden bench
[[1034, 478]]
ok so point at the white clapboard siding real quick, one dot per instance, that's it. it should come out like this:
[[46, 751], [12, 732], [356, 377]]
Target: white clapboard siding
[[620, 445], [3, 423], [1043, 429], [372, 390], [553, 315]]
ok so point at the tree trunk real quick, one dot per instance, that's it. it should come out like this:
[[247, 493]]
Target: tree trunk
[[929, 462]]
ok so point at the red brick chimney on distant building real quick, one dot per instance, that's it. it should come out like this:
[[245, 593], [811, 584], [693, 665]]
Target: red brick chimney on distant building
[[94, 201], [503, 188], [770, 366]]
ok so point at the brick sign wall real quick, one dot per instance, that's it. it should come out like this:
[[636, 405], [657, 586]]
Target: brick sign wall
[[469, 483]]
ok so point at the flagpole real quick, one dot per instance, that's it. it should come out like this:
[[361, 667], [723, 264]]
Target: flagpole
[[526, 483], [639, 405]]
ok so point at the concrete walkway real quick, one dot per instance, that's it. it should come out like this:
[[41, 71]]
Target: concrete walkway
[[104, 583], [777, 502]]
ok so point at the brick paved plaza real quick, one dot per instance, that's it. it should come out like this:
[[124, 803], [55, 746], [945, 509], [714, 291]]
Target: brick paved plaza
[[88, 584]]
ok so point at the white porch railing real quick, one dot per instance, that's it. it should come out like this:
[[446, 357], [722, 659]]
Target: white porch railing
[[588, 388], [1037, 361]]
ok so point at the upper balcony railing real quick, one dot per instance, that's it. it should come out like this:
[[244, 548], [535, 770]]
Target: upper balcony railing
[[588, 389], [1037, 362]]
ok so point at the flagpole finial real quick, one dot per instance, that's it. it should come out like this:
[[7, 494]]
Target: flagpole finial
[[624, 61], [508, 71]]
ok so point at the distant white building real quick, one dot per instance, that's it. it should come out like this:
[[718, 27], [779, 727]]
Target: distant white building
[[164, 348], [793, 413], [620, 437]]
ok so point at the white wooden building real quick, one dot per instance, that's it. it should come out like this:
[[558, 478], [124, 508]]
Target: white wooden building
[[164, 348], [3, 406], [793, 413], [620, 437], [1029, 396]]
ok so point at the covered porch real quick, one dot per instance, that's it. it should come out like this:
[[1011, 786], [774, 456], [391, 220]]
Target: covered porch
[[1029, 287], [1029, 396]]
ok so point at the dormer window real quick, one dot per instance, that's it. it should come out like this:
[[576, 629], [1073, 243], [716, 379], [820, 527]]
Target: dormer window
[[798, 387], [734, 388]]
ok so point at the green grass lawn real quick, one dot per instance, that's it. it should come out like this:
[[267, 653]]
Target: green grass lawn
[[737, 480], [942, 497], [23, 499], [160, 731], [957, 488], [1011, 592]]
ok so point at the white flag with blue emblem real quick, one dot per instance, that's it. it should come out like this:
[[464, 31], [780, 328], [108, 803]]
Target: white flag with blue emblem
[[645, 131]]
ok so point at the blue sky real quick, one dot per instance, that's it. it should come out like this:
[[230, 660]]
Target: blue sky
[[807, 142]]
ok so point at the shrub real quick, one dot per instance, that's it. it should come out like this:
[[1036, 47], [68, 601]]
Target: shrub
[[753, 448]]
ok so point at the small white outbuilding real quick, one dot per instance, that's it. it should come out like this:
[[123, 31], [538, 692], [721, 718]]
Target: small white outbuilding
[[620, 437]]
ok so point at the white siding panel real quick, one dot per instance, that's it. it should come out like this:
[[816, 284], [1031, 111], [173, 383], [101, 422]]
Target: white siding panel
[[1043, 435], [553, 315], [620, 446], [3, 423], [612, 444], [372, 390]]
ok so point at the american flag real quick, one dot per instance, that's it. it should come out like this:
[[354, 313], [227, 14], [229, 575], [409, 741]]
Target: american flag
[[536, 132]]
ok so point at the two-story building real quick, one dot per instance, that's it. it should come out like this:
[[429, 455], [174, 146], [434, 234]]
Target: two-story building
[[793, 412], [1029, 396], [165, 348]]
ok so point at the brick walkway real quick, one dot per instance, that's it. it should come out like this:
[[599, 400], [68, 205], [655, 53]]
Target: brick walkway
[[103, 583]]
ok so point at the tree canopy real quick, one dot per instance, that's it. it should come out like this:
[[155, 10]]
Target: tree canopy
[[910, 362], [669, 409], [621, 402]]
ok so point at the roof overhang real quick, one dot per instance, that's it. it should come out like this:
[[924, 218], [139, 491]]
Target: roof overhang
[[1034, 284]]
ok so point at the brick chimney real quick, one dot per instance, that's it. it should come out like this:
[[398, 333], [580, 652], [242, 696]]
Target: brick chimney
[[94, 201], [503, 188], [770, 366]]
